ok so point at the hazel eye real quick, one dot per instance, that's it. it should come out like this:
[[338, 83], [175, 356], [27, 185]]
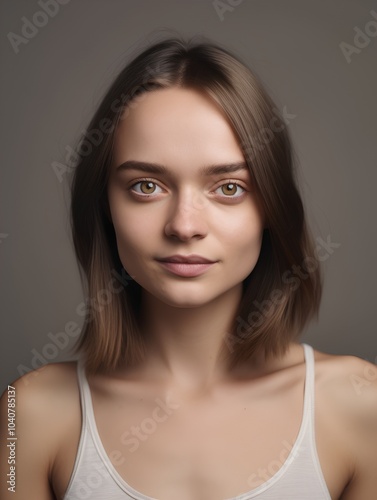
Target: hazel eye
[[146, 187], [230, 189]]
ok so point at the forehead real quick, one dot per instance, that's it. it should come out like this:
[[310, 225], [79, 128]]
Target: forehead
[[173, 122]]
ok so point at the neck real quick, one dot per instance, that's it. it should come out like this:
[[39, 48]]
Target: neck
[[186, 346]]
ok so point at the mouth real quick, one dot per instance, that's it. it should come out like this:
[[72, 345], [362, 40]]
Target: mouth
[[186, 259], [187, 266]]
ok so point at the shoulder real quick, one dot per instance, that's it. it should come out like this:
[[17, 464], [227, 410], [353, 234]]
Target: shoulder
[[44, 402], [349, 380], [46, 385], [347, 389], [42, 397]]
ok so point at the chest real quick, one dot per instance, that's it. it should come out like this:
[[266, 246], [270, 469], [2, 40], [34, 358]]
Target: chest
[[220, 447]]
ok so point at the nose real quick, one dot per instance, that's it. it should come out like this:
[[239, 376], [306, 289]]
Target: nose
[[187, 218]]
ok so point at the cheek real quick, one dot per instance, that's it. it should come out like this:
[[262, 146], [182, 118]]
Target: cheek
[[133, 233], [247, 246], [132, 243], [243, 227], [243, 238], [133, 228]]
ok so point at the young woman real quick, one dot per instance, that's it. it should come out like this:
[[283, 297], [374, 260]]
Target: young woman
[[201, 272]]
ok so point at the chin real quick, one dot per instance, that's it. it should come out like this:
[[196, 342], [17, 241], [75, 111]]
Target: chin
[[180, 298], [195, 298], [183, 302], [186, 295]]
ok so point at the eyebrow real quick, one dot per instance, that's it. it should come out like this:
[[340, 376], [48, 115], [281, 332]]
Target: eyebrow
[[207, 170]]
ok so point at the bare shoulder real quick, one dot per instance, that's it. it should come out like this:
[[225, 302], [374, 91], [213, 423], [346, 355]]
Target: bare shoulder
[[58, 375], [346, 385], [350, 381], [45, 401], [44, 389]]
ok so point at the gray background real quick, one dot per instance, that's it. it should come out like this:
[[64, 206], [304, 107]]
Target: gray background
[[50, 88]]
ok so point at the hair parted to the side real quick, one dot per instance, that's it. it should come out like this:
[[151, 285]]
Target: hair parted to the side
[[274, 307]]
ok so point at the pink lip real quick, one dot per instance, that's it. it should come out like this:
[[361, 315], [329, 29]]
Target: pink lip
[[186, 265], [187, 259]]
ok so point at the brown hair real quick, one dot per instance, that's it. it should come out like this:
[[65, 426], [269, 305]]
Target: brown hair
[[276, 304]]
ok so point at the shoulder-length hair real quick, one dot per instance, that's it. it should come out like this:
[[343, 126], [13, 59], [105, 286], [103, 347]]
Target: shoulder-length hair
[[277, 300]]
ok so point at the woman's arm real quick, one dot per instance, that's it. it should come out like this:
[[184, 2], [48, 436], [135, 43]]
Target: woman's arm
[[26, 457], [362, 435]]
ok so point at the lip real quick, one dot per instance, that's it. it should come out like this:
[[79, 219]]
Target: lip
[[186, 259], [186, 265]]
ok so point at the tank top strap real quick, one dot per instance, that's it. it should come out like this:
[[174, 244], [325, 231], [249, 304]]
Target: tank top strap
[[307, 414], [80, 380], [83, 433], [309, 388], [311, 435], [87, 402], [83, 386], [309, 360]]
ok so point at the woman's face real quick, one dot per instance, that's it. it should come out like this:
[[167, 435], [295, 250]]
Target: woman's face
[[176, 207]]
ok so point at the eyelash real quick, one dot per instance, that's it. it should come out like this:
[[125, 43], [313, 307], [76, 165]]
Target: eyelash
[[144, 195]]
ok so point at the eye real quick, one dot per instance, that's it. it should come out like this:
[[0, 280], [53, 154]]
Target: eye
[[146, 186], [229, 189]]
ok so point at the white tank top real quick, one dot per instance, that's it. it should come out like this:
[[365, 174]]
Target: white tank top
[[300, 477]]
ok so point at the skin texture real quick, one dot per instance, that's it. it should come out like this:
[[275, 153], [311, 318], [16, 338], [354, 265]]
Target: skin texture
[[185, 213]]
